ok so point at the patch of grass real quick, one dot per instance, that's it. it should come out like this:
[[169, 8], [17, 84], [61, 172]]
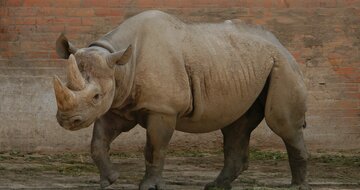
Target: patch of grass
[[338, 160], [269, 188], [76, 170], [5, 157], [267, 155], [16, 154], [192, 153], [67, 158], [125, 155], [28, 170]]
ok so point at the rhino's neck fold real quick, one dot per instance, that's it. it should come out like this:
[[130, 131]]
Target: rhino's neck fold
[[103, 44], [124, 80]]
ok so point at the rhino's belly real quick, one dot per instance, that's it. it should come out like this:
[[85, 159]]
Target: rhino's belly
[[221, 101], [202, 126], [217, 114]]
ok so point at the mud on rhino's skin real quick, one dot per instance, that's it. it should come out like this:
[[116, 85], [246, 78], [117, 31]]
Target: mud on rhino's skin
[[156, 71]]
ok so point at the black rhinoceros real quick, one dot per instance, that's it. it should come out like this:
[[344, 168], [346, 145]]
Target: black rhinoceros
[[156, 71]]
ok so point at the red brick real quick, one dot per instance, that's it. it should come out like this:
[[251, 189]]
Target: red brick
[[149, 3], [13, 3], [334, 58], [120, 3], [79, 29], [4, 46], [94, 3], [7, 54], [283, 3], [172, 3], [91, 21], [9, 37], [349, 3], [52, 11], [114, 21], [68, 21], [109, 12], [18, 21], [37, 55], [267, 4], [220, 4], [345, 70], [4, 21], [42, 36], [201, 3], [26, 21], [68, 3], [58, 20], [239, 3], [21, 28], [35, 45], [3, 11], [50, 28], [37, 3], [22, 11], [185, 3], [80, 12], [44, 20]]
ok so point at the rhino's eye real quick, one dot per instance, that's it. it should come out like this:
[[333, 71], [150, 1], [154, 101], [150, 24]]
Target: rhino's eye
[[96, 97]]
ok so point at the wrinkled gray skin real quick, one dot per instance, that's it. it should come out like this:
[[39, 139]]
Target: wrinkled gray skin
[[165, 75]]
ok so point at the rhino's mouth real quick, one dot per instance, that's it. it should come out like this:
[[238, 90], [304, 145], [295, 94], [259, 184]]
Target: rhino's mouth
[[80, 125], [72, 123]]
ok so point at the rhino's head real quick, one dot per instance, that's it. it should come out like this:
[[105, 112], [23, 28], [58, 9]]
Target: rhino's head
[[90, 87]]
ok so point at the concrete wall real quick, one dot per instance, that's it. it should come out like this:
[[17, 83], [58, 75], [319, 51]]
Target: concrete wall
[[323, 35]]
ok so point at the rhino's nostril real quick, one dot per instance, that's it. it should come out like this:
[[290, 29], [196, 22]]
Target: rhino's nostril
[[76, 120]]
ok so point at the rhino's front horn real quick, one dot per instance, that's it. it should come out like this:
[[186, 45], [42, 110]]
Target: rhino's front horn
[[64, 96], [75, 80]]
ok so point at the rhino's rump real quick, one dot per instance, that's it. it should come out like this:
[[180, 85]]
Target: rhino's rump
[[227, 70]]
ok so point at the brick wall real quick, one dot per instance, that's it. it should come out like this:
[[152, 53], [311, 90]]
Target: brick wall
[[323, 36]]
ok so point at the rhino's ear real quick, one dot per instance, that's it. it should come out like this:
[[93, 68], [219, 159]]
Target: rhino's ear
[[120, 57], [64, 48]]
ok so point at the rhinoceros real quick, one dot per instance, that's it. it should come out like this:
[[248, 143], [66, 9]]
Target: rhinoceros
[[165, 75]]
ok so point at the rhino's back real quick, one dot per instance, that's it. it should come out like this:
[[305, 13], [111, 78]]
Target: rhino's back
[[228, 69]]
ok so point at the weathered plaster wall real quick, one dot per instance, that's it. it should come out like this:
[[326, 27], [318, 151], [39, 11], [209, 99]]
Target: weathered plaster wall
[[323, 35]]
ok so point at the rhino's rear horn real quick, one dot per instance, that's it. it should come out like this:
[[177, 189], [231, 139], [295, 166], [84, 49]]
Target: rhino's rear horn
[[75, 80], [64, 97]]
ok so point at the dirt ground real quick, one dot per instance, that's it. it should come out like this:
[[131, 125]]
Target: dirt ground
[[184, 170]]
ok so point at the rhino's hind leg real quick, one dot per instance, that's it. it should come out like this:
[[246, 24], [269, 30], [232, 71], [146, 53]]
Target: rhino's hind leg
[[106, 129], [298, 161], [297, 154], [285, 114], [236, 147]]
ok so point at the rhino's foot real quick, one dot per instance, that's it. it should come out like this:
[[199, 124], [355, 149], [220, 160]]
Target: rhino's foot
[[217, 186], [304, 186], [109, 179], [152, 184]]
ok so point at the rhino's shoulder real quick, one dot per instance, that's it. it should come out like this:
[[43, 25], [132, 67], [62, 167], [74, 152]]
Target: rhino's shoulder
[[154, 17]]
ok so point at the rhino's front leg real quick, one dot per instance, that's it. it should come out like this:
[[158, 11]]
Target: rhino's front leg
[[106, 129], [159, 132]]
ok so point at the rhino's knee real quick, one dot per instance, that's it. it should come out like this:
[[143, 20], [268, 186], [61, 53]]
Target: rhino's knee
[[96, 153]]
